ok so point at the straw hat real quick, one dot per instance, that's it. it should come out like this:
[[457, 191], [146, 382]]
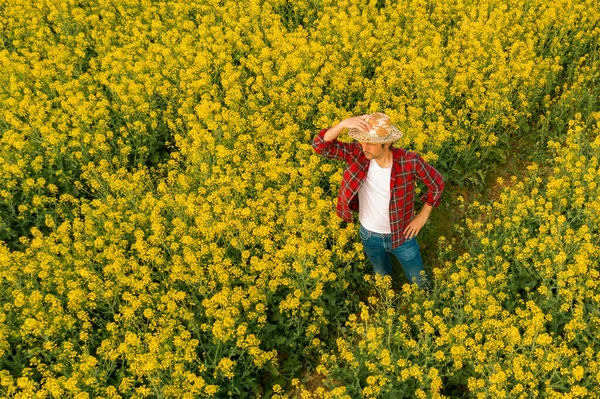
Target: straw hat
[[381, 130]]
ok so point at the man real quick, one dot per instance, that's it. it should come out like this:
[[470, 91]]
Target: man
[[382, 179]]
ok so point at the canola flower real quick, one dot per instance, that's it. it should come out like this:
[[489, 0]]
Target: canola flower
[[168, 232]]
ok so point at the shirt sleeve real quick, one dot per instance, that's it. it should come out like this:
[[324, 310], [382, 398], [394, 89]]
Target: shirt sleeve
[[331, 149], [432, 179]]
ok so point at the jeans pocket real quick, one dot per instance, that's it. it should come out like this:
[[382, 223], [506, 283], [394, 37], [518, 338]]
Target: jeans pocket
[[364, 233]]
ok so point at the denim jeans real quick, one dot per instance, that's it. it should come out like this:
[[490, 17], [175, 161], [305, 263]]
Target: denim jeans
[[378, 248]]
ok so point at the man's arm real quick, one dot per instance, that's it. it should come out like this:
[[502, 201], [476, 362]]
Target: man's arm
[[326, 144], [435, 186]]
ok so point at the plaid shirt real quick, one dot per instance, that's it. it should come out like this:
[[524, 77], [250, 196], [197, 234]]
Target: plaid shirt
[[407, 167]]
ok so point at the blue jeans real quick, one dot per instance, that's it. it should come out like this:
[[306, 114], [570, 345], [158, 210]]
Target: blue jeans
[[378, 248]]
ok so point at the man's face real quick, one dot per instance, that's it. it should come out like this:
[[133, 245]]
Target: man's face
[[373, 150]]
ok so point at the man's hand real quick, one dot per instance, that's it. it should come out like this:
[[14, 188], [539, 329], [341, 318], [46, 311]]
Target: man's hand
[[355, 122], [413, 228]]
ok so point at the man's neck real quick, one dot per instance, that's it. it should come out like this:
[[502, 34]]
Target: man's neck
[[385, 160]]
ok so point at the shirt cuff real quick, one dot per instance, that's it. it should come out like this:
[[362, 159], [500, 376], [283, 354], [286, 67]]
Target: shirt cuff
[[319, 143], [431, 202]]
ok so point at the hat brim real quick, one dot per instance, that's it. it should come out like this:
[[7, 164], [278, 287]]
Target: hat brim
[[365, 137]]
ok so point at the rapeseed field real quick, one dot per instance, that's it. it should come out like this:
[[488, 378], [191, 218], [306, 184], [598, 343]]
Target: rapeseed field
[[168, 231]]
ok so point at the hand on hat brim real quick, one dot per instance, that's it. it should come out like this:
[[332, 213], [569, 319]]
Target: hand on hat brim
[[357, 123]]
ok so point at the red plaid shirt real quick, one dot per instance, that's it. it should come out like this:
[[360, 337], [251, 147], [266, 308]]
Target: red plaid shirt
[[407, 167]]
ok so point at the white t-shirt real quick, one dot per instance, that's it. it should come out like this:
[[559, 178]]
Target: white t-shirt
[[374, 199]]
